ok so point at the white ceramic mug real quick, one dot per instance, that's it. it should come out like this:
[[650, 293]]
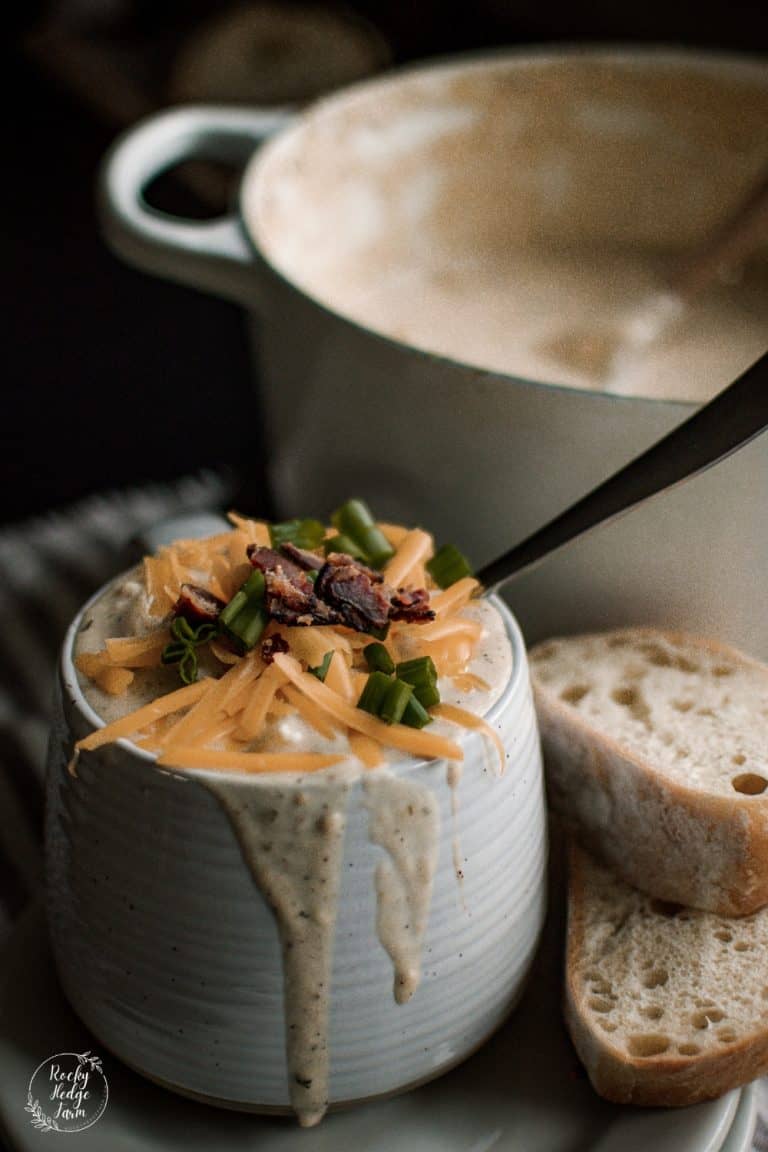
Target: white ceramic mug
[[634, 146], [168, 951]]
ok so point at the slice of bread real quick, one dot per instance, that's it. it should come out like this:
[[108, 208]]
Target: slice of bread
[[656, 752], [665, 1005]]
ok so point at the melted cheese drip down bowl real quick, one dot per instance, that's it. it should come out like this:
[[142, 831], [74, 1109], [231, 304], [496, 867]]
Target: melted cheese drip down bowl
[[422, 256], [286, 942]]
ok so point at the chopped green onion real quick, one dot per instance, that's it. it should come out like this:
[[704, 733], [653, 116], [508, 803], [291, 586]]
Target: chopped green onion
[[373, 693], [421, 674], [245, 618], [419, 665], [303, 533], [246, 628], [321, 671], [395, 701], [379, 633], [188, 667], [415, 715], [355, 520], [344, 544], [448, 565], [182, 629], [186, 634], [181, 650], [172, 653], [253, 588], [378, 659], [385, 697]]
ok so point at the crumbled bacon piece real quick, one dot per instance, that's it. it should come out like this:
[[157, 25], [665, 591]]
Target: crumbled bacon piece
[[309, 561], [289, 595], [268, 560], [197, 605], [355, 591], [411, 604], [345, 591], [271, 646], [343, 560]]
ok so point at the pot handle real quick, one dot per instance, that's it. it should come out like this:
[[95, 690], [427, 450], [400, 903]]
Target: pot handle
[[211, 255]]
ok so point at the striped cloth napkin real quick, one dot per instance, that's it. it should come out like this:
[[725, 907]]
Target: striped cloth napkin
[[48, 567]]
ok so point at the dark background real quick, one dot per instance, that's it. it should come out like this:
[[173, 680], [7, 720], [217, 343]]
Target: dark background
[[113, 377]]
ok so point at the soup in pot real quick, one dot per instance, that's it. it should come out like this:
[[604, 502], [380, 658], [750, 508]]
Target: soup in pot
[[519, 217]]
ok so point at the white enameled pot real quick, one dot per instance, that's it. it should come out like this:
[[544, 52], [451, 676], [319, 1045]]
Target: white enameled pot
[[542, 147], [168, 951]]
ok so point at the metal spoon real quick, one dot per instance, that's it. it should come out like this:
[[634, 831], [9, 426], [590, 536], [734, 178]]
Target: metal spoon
[[734, 417]]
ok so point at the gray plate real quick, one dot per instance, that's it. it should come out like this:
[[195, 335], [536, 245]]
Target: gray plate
[[524, 1090], [742, 1130]]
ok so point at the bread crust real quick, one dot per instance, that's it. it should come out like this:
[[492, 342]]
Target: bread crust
[[666, 1081], [677, 843]]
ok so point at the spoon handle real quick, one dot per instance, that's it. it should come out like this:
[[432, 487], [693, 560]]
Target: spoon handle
[[734, 417]]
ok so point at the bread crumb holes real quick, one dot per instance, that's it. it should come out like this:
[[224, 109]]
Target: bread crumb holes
[[749, 783], [648, 1044], [702, 1020], [632, 698], [657, 655], [656, 978], [665, 908], [574, 693]]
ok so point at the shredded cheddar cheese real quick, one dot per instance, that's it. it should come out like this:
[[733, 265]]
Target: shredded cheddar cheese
[[418, 741], [367, 750], [222, 721], [471, 720], [190, 756], [136, 721], [455, 597], [114, 681], [339, 678], [309, 710], [414, 548], [254, 714], [470, 682]]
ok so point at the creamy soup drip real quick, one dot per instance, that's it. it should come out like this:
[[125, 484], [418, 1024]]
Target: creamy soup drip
[[290, 829], [405, 821], [292, 839]]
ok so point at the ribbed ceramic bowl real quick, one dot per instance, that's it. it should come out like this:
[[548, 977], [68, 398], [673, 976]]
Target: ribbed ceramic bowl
[[170, 955]]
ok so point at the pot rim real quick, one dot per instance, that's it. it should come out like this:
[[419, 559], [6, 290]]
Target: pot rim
[[660, 53], [516, 684]]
